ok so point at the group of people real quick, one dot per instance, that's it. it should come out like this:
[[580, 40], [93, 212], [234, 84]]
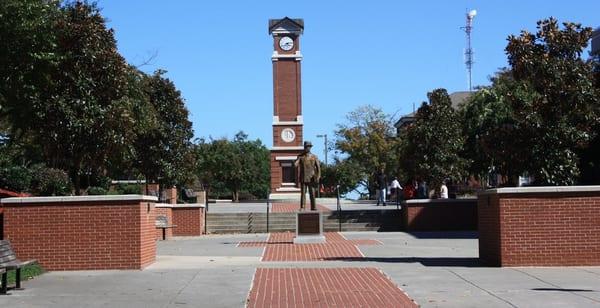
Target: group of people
[[412, 189]]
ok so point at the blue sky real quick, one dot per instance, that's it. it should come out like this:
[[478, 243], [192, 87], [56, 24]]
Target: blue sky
[[385, 53]]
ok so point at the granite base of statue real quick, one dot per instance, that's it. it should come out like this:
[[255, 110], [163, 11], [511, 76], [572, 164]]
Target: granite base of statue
[[309, 227]]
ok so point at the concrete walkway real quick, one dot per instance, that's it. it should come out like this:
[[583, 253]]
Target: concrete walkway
[[434, 269]]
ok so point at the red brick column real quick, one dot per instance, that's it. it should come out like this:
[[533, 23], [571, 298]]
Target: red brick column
[[171, 195], [440, 214], [540, 226], [189, 219], [83, 233]]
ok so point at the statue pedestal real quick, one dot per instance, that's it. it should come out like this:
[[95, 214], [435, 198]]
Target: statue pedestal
[[309, 227]]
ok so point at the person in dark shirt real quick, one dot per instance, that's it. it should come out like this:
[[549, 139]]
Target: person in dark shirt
[[381, 182]]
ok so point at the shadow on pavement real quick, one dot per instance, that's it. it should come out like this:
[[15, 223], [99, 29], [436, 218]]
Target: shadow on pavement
[[562, 290], [446, 235], [426, 261]]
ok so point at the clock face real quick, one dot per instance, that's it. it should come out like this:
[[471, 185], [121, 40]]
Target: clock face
[[288, 135], [286, 43]]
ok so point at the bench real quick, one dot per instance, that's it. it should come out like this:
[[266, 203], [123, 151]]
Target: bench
[[162, 222], [9, 261]]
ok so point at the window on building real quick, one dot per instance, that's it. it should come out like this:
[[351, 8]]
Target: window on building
[[288, 172]]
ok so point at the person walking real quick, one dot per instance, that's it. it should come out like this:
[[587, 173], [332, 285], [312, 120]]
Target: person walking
[[395, 189], [381, 182], [444, 190], [422, 192]]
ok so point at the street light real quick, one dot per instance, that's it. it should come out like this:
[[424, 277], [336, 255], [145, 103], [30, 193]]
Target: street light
[[324, 136]]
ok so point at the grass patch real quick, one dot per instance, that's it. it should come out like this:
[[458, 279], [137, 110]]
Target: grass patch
[[27, 272]]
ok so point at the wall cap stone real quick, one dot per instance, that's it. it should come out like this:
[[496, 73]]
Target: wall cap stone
[[540, 189], [180, 205], [420, 201], [67, 199]]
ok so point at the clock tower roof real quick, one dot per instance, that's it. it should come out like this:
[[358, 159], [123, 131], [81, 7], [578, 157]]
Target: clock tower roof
[[286, 25]]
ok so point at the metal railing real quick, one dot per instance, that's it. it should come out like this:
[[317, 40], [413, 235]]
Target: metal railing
[[339, 207]]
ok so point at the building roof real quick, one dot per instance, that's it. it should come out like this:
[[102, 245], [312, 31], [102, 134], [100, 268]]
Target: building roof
[[596, 42], [4, 193], [456, 98], [459, 97], [293, 24]]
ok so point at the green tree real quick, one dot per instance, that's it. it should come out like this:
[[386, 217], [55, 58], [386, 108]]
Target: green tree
[[432, 145], [28, 56], [341, 173], [256, 165], [590, 156], [163, 147], [69, 100], [234, 166], [491, 133], [558, 118], [367, 138], [83, 117]]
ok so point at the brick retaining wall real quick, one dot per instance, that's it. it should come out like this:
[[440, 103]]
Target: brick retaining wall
[[439, 214], [540, 226], [189, 219], [83, 233]]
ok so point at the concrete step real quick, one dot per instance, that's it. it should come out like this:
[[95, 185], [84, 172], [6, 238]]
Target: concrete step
[[245, 222], [358, 220], [254, 230], [249, 214], [264, 230]]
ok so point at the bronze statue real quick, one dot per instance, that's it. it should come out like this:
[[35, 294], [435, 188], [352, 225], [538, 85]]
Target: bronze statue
[[309, 170]]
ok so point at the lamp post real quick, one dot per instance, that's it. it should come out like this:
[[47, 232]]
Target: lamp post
[[324, 136]]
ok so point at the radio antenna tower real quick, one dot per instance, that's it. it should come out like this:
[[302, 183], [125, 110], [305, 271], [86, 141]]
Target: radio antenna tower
[[469, 51]]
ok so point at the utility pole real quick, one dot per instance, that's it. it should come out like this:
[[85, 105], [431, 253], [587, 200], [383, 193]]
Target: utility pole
[[469, 51], [324, 136]]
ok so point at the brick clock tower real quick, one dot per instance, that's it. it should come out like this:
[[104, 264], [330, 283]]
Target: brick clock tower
[[287, 106]]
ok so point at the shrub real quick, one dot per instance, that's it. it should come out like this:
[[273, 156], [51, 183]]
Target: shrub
[[16, 178], [100, 181], [127, 189], [95, 190], [50, 182]]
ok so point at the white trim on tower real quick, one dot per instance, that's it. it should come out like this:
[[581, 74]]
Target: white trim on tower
[[286, 157]]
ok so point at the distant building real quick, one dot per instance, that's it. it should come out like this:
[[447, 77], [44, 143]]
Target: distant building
[[596, 42], [456, 98]]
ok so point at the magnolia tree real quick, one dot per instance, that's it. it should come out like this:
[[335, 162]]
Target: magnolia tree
[[69, 100], [540, 115], [431, 146]]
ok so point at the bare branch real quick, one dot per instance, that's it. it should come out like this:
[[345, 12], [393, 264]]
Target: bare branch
[[149, 60]]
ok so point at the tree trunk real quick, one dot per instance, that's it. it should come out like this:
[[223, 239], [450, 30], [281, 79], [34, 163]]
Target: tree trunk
[[235, 195], [77, 183], [77, 174]]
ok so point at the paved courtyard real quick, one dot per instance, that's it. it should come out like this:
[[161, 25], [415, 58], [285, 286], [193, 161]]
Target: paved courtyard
[[433, 269]]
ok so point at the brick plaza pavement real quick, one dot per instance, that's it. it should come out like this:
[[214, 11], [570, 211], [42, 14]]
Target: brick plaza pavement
[[435, 269], [280, 247], [320, 287], [325, 287]]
